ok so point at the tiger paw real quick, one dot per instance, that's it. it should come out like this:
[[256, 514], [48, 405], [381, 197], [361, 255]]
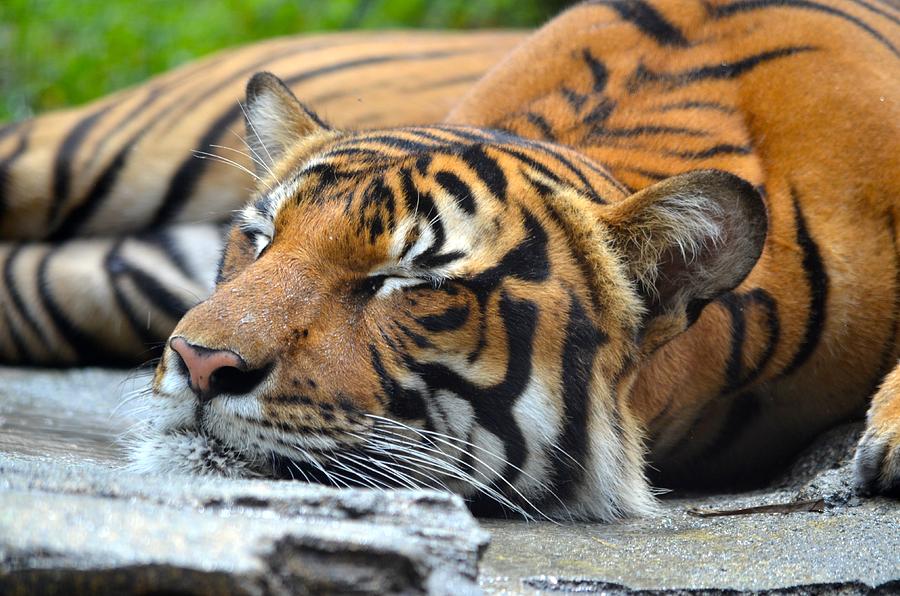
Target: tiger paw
[[877, 460]]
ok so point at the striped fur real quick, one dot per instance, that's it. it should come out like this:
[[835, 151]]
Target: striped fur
[[155, 157], [666, 223]]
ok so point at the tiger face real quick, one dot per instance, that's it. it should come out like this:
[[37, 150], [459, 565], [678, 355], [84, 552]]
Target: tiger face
[[441, 307]]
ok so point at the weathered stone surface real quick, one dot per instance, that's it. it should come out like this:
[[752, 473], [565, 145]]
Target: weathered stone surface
[[847, 546], [69, 518], [90, 526], [72, 522]]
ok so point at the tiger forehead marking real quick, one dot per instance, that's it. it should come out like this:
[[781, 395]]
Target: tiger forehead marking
[[428, 202]]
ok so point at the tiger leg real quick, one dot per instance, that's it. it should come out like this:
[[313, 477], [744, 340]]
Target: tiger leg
[[877, 461], [109, 300]]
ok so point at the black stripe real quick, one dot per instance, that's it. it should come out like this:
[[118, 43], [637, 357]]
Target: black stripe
[[878, 11], [7, 162], [487, 169], [761, 298], [420, 340], [600, 113], [106, 180], [750, 5], [448, 82], [735, 306], [154, 90], [817, 280], [112, 274], [651, 174], [405, 404], [74, 219], [598, 71], [440, 237], [528, 261], [394, 141], [87, 349], [650, 22], [22, 353], [188, 174], [722, 149], [459, 189], [587, 270], [432, 261], [10, 281], [586, 184], [531, 162], [449, 320], [165, 242], [187, 108], [579, 351], [636, 131], [62, 175], [493, 405], [575, 99], [695, 105], [542, 125], [720, 71]]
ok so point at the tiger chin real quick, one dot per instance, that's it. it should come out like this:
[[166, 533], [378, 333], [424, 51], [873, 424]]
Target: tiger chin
[[443, 307]]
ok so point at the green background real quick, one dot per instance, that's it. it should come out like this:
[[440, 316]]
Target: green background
[[55, 53]]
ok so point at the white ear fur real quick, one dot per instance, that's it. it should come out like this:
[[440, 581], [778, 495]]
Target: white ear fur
[[688, 239], [275, 119]]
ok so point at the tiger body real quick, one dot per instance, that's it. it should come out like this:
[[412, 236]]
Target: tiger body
[[669, 224], [752, 88]]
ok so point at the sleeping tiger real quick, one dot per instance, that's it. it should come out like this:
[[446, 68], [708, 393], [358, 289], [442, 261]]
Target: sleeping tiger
[[656, 236]]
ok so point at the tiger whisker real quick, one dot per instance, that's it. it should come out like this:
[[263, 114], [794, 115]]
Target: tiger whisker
[[444, 439], [259, 160], [316, 463], [231, 162], [455, 472], [239, 152], [392, 465], [404, 479], [367, 481], [258, 138], [418, 458]]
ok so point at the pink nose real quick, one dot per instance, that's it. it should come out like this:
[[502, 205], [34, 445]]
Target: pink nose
[[206, 366]]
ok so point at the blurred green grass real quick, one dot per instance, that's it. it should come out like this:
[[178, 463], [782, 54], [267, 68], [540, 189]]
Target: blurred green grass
[[55, 53]]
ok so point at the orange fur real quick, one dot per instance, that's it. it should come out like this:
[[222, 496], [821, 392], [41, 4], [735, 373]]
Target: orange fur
[[672, 221]]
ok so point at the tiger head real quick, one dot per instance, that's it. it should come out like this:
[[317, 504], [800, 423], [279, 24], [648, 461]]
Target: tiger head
[[443, 307]]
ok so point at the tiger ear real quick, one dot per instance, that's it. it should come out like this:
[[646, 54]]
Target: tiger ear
[[685, 241], [275, 120]]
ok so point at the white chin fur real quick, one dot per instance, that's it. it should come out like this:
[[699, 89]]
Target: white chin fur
[[184, 452]]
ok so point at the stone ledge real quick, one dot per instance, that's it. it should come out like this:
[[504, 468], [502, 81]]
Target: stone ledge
[[90, 529]]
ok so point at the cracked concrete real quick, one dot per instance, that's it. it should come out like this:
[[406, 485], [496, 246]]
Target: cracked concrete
[[70, 519]]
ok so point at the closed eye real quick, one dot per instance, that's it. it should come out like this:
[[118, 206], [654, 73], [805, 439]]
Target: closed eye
[[381, 285], [394, 284], [260, 243]]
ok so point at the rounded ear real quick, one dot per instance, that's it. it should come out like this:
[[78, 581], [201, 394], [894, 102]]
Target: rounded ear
[[685, 241], [275, 120]]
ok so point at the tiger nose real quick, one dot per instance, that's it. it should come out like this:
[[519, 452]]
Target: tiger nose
[[214, 372]]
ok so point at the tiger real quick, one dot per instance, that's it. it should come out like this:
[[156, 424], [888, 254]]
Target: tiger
[[654, 246]]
